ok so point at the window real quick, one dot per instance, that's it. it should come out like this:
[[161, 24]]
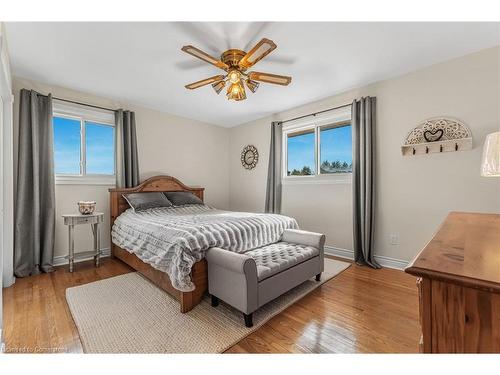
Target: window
[[84, 145], [301, 154], [335, 149], [322, 147], [67, 145], [100, 148]]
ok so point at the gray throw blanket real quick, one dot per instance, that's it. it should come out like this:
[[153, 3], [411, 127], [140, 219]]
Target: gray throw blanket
[[173, 239]]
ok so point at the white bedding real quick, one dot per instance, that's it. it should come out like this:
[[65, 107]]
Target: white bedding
[[173, 239]]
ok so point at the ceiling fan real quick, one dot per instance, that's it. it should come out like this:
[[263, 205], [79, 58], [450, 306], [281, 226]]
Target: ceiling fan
[[235, 62]]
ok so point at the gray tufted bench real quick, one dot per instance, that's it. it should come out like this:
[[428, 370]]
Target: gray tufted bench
[[250, 280]]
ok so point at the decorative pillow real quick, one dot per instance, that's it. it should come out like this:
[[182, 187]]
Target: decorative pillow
[[146, 200], [180, 198]]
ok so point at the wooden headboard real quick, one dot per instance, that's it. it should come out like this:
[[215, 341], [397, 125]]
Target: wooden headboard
[[157, 183]]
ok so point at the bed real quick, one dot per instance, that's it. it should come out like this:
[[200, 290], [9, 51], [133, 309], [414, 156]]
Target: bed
[[168, 244], [118, 205]]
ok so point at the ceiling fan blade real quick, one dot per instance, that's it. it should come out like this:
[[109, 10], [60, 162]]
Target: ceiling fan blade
[[270, 78], [257, 53], [204, 56], [204, 82]]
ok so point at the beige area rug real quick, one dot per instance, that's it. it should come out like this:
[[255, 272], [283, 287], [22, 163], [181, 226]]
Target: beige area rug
[[128, 314]]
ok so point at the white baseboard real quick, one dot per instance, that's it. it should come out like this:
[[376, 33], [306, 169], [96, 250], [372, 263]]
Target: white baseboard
[[8, 281], [384, 261], [2, 344], [389, 262], [62, 260]]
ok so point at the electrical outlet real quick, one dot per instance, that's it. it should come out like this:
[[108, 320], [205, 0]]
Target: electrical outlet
[[394, 239]]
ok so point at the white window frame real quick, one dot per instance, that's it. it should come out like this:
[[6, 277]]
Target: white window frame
[[85, 114], [315, 123]]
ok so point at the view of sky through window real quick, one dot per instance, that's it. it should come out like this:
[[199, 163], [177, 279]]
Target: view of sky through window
[[66, 145], [336, 149], [99, 147], [301, 154]]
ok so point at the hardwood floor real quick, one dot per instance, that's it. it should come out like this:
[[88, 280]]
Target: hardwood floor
[[360, 311]]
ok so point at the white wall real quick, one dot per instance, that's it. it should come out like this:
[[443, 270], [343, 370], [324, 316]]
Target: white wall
[[194, 152], [414, 194]]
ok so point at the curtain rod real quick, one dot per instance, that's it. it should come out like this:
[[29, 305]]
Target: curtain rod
[[85, 104], [317, 113]]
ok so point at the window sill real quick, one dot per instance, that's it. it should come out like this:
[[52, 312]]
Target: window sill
[[86, 180], [318, 180]]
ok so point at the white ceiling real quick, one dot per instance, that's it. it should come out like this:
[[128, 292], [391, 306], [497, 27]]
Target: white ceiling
[[142, 62]]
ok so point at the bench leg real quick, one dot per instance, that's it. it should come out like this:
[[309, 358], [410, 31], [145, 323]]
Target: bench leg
[[248, 320], [318, 277], [215, 301]]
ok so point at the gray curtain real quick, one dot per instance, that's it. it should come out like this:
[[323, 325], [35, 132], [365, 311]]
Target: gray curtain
[[363, 179], [273, 191], [127, 161], [35, 202]]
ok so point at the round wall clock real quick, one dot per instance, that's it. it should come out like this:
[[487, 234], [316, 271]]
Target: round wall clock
[[249, 157]]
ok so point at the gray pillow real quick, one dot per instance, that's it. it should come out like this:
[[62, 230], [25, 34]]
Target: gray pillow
[[146, 200], [180, 198]]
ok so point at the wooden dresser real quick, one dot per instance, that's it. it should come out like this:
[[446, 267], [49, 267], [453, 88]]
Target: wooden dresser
[[459, 285]]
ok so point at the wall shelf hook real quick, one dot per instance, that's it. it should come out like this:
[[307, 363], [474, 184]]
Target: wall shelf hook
[[440, 134]]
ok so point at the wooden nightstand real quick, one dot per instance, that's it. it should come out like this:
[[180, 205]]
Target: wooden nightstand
[[75, 219]]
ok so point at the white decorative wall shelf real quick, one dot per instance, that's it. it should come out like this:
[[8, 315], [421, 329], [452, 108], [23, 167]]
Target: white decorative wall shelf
[[437, 135]]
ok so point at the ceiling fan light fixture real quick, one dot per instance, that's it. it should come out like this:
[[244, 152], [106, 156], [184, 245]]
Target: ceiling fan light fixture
[[236, 91], [218, 86], [235, 63], [234, 76], [252, 85]]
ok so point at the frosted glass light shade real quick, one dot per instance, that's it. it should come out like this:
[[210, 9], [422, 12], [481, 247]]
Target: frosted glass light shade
[[490, 165]]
